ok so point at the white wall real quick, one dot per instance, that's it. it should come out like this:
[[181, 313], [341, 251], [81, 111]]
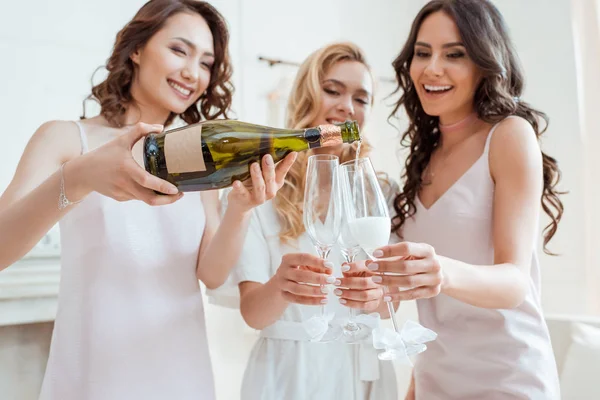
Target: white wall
[[50, 49], [542, 32], [49, 52]]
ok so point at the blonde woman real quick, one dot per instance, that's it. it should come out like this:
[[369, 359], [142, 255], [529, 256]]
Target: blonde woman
[[333, 84]]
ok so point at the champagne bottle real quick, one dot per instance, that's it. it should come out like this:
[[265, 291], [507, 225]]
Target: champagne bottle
[[213, 154]]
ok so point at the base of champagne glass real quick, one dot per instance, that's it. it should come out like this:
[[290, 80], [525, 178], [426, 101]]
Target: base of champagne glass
[[355, 333], [333, 334], [390, 355]]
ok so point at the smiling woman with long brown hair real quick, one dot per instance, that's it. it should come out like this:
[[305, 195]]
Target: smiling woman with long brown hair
[[130, 321], [475, 184]]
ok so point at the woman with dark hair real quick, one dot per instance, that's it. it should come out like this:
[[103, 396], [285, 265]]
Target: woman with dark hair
[[468, 215], [130, 321]]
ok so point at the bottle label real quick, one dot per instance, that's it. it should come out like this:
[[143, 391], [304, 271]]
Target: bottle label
[[183, 150], [331, 135]]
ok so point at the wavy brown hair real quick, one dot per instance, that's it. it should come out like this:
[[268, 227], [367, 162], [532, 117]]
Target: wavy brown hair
[[485, 37], [114, 93], [303, 107]]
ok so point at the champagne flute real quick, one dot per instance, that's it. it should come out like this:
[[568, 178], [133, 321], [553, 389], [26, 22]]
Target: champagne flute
[[322, 214], [353, 332], [368, 218]]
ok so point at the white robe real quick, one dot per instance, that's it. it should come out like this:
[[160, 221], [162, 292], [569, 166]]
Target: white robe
[[299, 369]]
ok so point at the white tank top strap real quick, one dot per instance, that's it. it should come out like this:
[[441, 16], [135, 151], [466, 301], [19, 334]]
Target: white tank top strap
[[82, 138], [489, 136], [486, 149]]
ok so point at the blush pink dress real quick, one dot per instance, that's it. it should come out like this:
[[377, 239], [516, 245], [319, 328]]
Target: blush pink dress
[[480, 354], [130, 321]]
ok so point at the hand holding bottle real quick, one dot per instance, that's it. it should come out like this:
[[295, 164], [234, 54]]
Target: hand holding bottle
[[213, 154], [262, 185], [112, 171]]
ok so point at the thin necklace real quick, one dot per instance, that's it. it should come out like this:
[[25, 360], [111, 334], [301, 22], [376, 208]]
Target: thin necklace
[[448, 129]]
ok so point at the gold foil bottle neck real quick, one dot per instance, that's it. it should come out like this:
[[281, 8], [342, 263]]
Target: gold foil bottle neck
[[331, 135]]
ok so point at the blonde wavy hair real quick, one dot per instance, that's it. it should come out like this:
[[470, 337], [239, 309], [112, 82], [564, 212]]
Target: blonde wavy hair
[[304, 104]]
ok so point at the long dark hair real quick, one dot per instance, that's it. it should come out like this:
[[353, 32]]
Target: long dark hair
[[114, 94], [485, 36]]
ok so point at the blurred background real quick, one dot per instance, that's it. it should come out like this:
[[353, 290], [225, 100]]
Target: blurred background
[[50, 50]]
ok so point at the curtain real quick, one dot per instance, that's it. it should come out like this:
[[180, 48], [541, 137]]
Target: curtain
[[586, 35]]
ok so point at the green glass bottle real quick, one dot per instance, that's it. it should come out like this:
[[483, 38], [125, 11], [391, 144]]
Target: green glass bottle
[[213, 154]]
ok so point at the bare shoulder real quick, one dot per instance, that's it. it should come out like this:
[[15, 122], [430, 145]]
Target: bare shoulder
[[52, 144], [514, 147], [514, 133], [59, 137], [56, 127]]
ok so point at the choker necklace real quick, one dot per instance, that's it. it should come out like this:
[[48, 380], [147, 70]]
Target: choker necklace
[[457, 125]]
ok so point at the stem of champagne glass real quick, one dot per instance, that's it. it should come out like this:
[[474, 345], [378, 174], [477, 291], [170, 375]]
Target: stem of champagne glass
[[391, 310], [351, 325], [323, 252]]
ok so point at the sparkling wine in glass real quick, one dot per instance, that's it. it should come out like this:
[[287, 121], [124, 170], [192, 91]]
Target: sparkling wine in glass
[[322, 214], [366, 210], [353, 332]]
